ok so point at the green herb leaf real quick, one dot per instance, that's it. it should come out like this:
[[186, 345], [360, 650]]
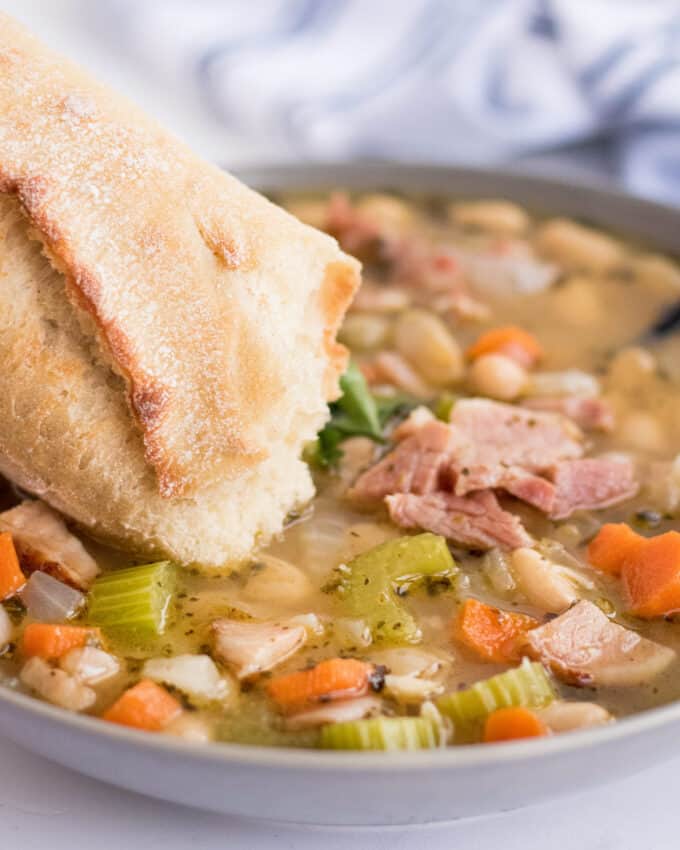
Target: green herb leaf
[[358, 405], [357, 413]]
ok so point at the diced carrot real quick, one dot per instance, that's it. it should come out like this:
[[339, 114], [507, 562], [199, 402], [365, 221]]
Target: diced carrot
[[336, 678], [511, 341], [47, 640], [492, 633], [145, 706], [509, 724], [651, 576], [613, 544], [11, 577]]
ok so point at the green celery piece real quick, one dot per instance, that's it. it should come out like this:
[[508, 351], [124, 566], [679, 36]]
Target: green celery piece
[[527, 685], [370, 583], [381, 733], [358, 405], [444, 405], [133, 602]]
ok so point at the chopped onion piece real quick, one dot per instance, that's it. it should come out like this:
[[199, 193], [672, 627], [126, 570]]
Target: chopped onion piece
[[90, 664], [195, 675], [49, 600]]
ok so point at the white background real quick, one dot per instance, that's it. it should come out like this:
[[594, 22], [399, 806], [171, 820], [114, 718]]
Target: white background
[[45, 806]]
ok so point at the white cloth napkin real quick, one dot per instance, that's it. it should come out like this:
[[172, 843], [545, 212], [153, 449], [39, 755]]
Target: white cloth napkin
[[437, 80]]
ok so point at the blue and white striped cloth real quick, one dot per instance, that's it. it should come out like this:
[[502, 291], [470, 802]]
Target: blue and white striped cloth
[[436, 80]]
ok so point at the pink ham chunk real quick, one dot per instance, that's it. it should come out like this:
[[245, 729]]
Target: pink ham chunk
[[591, 484], [44, 543], [584, 647], [494, 438], [440, 477], [476, 521], [354, 230], [591, 414], [529, 488], [416, 465]]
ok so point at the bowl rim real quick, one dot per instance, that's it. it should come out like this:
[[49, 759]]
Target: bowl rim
[[462, 757]]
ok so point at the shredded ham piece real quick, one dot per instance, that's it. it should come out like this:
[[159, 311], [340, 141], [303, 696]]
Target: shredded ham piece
[[441, 477], [477, 520], [591, 414], [584, 647]]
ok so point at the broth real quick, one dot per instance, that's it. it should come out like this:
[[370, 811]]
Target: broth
[[474, 267]]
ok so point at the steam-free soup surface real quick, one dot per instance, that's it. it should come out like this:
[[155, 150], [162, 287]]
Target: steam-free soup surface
[[498, 492]]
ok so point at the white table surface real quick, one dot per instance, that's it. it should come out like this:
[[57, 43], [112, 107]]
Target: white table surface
[[45, 806]]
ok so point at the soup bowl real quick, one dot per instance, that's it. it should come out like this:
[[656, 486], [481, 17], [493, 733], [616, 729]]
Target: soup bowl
[[349, 788]]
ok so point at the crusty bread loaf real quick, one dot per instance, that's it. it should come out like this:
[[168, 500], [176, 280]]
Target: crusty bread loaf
[[167, 336]]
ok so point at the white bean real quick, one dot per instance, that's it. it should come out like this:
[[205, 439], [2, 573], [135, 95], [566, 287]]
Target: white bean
[[543, 583], [642, 430], [579, 247], [498, 377], [658, 273], [6, 628], [363, 332], [389, 214], [562, 716], [630, 366], [278, 582], [425, 341], [579, 302], [498, 216]]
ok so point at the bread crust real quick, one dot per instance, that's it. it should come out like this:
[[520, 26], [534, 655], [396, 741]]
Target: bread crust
[[198, 316], [162, 249]]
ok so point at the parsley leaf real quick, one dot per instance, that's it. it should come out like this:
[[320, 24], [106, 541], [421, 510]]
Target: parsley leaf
[[357, 413]]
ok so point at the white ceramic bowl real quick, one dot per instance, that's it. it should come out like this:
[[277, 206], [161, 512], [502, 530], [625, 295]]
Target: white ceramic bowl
[[373, 788]]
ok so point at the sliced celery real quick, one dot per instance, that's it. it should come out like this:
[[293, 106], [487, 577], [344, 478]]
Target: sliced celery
[[527, 685], [133, 602], [372, 583], [444, 405], [381, 733]]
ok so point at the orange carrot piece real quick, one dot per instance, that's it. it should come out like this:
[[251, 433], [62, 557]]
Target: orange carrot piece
[[47, 640], [145, 706], [613, 544], [509, 724], [11, 577], [651, 577], [490, 632], [511, 341], [336, 678]]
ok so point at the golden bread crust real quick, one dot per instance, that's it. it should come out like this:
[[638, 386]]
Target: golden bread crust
[[201, 291]]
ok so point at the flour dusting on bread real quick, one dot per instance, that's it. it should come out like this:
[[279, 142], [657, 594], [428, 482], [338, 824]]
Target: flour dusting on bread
[[192, 346]]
